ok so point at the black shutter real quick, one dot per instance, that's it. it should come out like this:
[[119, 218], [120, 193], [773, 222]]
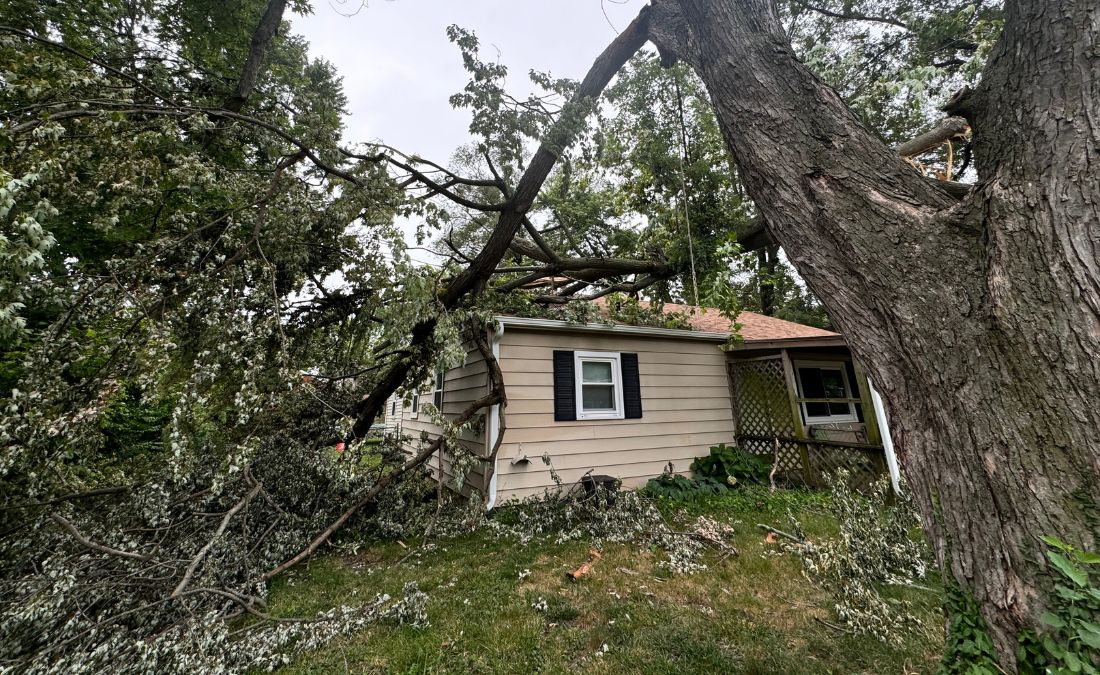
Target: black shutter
[[632, 388], [565, 387]]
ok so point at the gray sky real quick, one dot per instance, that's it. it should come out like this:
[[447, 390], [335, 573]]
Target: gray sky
[[399, 68]]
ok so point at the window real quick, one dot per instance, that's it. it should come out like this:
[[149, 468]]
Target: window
[[415, 408], [824, 392], [437, 388], [393, 407], [599, 385]]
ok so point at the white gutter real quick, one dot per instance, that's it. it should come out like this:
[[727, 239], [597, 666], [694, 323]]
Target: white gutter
[[887, 440], [493, 428], [617, 329]]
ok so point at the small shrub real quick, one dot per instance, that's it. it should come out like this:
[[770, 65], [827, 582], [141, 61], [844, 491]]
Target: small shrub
[[725, 462], [683, 489]]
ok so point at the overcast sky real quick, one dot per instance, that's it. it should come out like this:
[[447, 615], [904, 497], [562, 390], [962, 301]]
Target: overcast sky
[[399, 68]]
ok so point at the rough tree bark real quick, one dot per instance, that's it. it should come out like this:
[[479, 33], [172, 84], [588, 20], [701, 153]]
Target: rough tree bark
[[979, 320]]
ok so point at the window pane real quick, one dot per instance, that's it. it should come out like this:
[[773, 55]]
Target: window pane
[[833, 383], [598, 397], [596, 371], [817, 409], [839, 409], [812, 386]]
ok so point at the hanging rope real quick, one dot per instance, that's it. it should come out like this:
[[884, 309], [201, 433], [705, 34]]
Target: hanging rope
[[683, 187]]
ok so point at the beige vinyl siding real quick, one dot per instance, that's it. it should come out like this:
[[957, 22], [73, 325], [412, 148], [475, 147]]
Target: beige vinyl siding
[[394, 411], [686, 408], [461, 387]]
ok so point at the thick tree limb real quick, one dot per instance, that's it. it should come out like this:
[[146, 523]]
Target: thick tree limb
[[950, 129], [261, 39], [560, 136]]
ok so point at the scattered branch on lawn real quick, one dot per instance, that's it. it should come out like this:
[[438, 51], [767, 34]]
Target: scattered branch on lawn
[[100, 492], [71, 529], [781, 533]]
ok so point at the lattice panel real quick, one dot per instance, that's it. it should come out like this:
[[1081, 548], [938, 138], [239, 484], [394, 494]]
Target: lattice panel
[[760, 394], [807, 465]]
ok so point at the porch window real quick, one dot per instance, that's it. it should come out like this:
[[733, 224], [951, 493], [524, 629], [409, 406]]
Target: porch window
[[824, 392], [599, 385]]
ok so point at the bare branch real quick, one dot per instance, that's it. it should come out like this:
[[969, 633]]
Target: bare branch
[[854, 16], [71, 529], [190, 572]]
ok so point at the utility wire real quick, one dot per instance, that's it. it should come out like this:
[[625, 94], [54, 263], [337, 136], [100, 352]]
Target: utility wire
[[683, 186]]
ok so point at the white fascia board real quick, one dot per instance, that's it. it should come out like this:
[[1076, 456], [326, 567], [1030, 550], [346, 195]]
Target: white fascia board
[[493, 430], [613, 329]]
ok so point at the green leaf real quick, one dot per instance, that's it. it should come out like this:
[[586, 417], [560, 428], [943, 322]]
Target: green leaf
[[1088, 558], [1089, 637], [1052, 620], [1079, 576], [1055, 542]]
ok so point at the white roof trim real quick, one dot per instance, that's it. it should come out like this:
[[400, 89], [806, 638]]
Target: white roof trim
[[618, 329]]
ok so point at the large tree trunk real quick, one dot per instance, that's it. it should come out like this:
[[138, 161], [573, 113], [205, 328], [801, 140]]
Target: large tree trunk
[[979, 320]]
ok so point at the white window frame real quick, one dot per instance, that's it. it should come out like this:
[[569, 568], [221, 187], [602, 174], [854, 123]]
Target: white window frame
[[616, 380], [830, 365], [439, 385]]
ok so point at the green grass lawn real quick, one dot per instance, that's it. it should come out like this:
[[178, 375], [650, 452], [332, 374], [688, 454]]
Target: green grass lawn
[[750, 613]]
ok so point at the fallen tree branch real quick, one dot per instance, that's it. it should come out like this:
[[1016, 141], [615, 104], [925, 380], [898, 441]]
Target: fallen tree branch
[[781, 533], [98, 492], [190, 572], [478, 272], [494, 397], [71, 529]]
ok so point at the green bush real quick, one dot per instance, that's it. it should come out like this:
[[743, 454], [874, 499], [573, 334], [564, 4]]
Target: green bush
[[683, 489], [725, 461]]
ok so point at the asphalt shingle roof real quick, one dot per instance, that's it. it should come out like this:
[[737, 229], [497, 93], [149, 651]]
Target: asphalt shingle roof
[[753, 326]]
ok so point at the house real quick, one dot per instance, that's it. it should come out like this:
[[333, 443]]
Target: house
[[635, 401]]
